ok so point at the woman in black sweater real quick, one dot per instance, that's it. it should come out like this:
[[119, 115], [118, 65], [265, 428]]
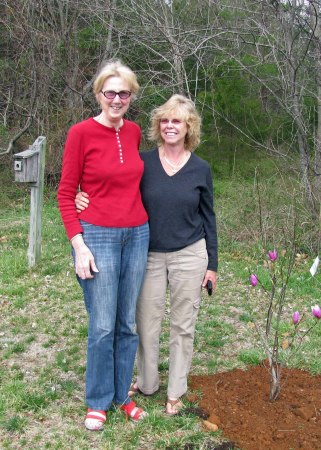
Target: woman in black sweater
[[177, 193]]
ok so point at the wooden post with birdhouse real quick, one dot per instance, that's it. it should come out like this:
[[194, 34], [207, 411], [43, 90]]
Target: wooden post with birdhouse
[[29, 167]]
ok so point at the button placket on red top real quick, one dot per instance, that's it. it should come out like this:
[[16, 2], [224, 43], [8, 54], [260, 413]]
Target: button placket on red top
[[119, 148]]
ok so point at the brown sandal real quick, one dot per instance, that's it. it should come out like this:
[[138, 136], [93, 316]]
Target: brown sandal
[[176, 406], [133, 390]]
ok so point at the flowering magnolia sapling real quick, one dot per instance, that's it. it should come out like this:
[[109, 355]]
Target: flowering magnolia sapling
[[270, 337]]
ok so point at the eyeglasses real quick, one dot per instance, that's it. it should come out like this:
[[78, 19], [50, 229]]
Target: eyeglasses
[[172, 121], [110, 95]]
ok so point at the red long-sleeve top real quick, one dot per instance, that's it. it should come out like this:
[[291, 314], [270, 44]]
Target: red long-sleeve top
[[106, 164]]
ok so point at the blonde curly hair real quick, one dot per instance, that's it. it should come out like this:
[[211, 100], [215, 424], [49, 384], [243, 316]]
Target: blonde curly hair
[[182, 108]]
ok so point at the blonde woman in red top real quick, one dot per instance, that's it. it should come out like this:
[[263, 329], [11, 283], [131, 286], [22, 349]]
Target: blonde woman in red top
[[109, 239]]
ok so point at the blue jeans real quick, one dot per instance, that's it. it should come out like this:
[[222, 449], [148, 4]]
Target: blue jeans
[[110, 299]]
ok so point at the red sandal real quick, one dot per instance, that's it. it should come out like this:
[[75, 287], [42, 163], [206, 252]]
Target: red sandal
[[133, 412], [95, 420]]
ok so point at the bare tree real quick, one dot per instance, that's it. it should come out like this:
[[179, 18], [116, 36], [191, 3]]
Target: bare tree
[[186, 46], [292, 38]]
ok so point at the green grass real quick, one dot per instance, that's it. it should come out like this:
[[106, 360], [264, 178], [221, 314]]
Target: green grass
[[251, 357], [43, 325]]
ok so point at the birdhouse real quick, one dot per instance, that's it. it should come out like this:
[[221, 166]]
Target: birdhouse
[[26, 166]]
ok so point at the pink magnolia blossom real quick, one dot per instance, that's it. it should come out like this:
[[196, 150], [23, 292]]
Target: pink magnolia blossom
[[296, 317], [253, 280], [316, 311], [273, 255]]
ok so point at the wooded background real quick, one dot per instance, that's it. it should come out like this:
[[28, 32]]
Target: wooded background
[[253, 68]]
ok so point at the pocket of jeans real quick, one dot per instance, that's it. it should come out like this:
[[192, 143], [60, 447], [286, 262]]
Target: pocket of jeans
[[192, 261], [198, 249]]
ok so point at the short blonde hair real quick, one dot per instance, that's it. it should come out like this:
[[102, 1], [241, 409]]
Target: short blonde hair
[[182, 108], [115, 69]]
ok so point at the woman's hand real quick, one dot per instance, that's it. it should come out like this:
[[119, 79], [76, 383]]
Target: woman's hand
[[84, 259], [210, 276], [81, 201]]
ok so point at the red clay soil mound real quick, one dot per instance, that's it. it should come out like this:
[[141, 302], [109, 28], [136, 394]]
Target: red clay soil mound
[[238, 402]]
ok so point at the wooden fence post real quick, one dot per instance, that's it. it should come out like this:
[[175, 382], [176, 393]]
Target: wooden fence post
[[36, 202], [29, 167]]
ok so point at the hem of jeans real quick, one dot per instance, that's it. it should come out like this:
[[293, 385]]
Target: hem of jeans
[[124, 402], [98, 408]]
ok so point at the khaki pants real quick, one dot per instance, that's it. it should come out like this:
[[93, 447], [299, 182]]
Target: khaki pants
[[183, 272]]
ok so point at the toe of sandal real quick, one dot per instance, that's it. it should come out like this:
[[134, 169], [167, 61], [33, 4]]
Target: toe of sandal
[[95, 420], [133, 390], [175, 406], [133, 412]]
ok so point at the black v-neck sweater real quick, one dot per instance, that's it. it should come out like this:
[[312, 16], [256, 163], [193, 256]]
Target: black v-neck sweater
[[180, 207]]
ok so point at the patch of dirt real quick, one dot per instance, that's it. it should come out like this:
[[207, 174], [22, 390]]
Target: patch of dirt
[[208, 445], [238, 402], [36, 356]]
